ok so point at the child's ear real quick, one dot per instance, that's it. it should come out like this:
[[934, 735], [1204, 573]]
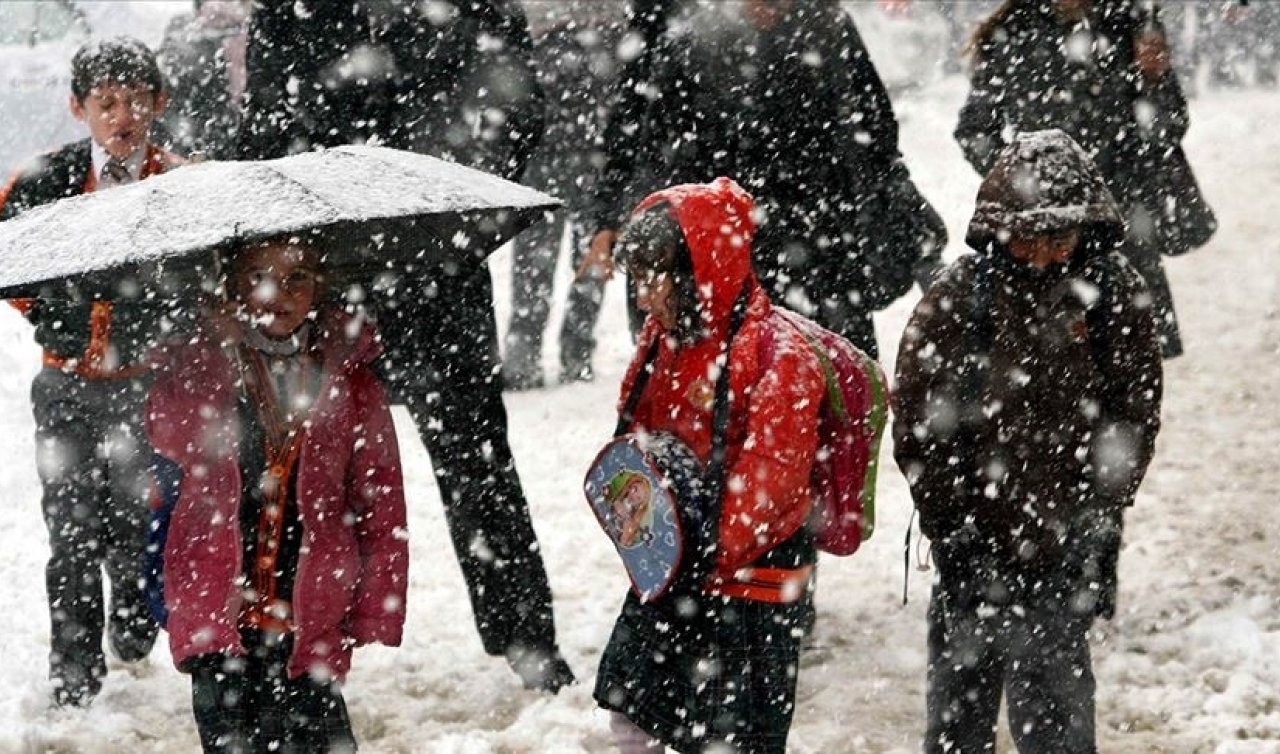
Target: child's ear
[[77, 108]]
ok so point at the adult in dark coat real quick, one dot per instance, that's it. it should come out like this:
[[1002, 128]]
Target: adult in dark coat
[[576, 65], [432, 82], [1026, 411], [203, 59], [1099, 70], [724, 84], [299, 93]]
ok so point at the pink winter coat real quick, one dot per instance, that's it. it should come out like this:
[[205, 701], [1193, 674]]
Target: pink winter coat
[[352, 572]]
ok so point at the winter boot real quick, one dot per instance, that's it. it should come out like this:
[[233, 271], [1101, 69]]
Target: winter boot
[[131, 633], [75, 684], [579, 372]]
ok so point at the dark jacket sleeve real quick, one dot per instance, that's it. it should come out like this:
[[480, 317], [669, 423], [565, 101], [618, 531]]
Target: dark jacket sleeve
[[526, 120], [980, 130], [865, 111], [930, 442], [1162, 111], [291, 103], [627, 129], [1127, 355], [61, 324]]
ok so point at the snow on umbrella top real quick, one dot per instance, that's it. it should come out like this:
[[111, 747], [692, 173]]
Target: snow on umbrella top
[[372, 208]]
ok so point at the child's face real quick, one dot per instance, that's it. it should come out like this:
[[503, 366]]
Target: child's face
[[277, 283], [1042, 251], [655, 295], [119, 116]]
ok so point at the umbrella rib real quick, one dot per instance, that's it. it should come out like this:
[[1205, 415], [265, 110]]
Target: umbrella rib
[[320, 199]]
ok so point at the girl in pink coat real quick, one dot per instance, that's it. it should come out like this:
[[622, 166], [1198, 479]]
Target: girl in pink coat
[[280, 490]]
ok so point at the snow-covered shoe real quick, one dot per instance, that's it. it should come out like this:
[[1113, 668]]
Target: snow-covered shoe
[[519, 381], [541, 669], [75, 686], [132, 634], [577, 373]]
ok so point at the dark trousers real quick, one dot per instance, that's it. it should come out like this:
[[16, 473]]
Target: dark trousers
[[249, 705], [442, 364], [93, 462], [533, 262], [1038, 659]]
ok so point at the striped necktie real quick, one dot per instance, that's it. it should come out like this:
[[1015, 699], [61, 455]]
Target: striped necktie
[[115, 173]]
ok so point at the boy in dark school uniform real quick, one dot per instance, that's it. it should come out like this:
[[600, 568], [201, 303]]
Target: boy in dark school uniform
[[91, 453]]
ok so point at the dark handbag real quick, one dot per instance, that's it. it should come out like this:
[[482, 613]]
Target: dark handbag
[[1187, 221], [905, 234]]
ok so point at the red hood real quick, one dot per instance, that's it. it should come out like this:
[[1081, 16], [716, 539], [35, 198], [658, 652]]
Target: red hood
[[718, 228]]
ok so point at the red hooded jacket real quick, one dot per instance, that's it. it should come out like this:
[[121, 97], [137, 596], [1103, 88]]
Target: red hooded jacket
[[352, 574], [775, 392]]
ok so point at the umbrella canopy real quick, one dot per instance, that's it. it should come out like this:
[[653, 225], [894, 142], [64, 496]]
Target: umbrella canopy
[[372, 210]]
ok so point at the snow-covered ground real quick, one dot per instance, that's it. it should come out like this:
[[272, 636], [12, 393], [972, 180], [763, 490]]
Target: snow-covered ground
[[1191, 664]]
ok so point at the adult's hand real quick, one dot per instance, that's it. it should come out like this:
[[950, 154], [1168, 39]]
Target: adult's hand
[[1151, 54], [598, 263]]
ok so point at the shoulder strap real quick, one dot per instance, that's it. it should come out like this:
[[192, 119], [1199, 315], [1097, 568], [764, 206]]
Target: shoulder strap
[[637, 388], [720, 409]]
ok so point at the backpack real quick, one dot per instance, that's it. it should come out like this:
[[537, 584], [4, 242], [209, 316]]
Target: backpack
[[851, 423]]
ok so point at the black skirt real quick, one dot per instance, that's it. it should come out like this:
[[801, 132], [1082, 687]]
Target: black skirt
[[693, 671]]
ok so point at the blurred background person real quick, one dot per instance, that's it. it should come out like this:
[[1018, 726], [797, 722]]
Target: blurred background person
[[1099, 70], [841, 225], [203, 59], [575, 46]]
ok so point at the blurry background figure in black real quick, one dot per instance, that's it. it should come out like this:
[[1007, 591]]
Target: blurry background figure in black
[[203, 59], [961, 19], [1100, 70], [453, 80], [715, 93], [575, 43]]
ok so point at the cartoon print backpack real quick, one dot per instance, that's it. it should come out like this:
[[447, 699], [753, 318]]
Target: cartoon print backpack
[[650, 497], [850, 425]]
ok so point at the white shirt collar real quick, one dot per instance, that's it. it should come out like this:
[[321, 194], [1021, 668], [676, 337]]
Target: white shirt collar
[[133, 163]]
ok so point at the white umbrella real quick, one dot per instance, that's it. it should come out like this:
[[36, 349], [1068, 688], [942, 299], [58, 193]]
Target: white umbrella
[[372, 209]]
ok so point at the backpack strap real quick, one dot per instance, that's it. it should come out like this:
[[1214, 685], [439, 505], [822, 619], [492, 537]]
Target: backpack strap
[[720, 409], [628, 412], [701, 560]]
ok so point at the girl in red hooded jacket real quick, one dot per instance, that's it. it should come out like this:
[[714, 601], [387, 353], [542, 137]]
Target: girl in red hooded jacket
[[715, 661], [284, 507]]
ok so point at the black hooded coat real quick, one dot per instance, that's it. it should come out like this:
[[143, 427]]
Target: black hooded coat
[[1027, 404], [1035, 71], [714, 96]]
